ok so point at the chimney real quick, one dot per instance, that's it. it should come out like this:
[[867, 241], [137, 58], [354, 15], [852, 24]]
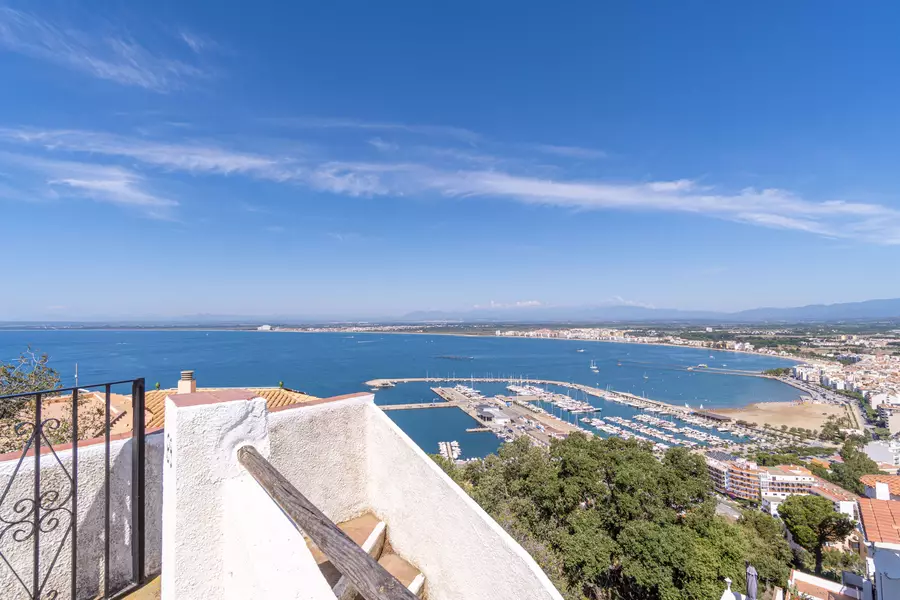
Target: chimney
[[187, 384], [882, 491]]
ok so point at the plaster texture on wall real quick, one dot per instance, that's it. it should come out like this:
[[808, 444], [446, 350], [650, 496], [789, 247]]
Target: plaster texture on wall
[[223, 537], [201, 454], [887, 570], [322, 450], [56, 492], [275, 565], [435, 525]]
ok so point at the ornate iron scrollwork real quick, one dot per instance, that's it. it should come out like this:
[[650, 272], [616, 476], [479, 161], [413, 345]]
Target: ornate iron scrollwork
[[30, 517]]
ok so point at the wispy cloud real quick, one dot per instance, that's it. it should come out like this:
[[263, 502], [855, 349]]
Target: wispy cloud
[[451, 175], [382, 145], [101, 183], [196, 42], [568, 151], [458, 133], [516, 304], [192, 157], [112, 56]]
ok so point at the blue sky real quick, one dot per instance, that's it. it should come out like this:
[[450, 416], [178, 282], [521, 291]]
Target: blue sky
[[367, 159]]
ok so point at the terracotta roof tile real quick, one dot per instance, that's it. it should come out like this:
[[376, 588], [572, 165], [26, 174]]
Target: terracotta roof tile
[[881, 520], [155, 401], [893, 482]]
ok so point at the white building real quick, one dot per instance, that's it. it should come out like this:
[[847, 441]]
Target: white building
[[881, 526], [882, 487], [885, 451]]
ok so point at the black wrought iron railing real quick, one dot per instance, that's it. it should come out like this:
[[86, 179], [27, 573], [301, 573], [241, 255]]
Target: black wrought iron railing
[[45, 504]]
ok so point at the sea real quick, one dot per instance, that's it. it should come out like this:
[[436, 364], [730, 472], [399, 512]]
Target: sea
[[330, 364]]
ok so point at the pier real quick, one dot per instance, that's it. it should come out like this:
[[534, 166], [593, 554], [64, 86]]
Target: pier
[[591, 391], [416, 406]]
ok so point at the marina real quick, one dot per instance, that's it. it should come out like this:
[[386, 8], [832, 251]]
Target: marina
[[535, 410]]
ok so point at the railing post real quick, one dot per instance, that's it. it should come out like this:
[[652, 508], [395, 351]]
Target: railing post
[[137, 481], [36, 579], [74, 573]]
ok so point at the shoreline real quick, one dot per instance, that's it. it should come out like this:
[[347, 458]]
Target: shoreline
[[796, 360], [442, 333]]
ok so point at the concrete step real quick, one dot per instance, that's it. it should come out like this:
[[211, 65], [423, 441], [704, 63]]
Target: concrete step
[[366, 530], [405, 573]]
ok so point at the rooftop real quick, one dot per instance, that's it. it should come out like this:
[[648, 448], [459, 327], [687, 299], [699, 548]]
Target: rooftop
[[833, 492], [881, 520], [893, 482], [275, 397], [787, 470]]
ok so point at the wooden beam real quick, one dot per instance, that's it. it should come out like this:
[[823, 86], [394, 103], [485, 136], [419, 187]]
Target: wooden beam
[[369, 578]]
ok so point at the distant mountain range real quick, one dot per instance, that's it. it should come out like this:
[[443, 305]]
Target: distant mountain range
[[869, 310]]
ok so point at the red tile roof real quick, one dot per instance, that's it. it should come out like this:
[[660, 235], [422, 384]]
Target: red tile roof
[[155, 401], [881, 520], [893, 482], [833, 492]]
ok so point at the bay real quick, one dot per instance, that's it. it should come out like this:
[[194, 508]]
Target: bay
[[330, 364]]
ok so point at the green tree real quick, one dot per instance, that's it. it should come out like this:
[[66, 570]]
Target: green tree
[[813, 522], [607, 519], [30, 372], [855, 464]]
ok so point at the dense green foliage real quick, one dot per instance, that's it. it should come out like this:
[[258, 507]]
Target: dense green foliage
[[831, 429], [856, 464], [779, 372], [606, 519], [813, 522]]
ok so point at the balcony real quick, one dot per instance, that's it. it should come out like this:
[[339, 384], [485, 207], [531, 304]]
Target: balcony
[[251, 497]]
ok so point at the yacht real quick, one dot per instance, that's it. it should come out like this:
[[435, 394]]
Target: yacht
[[594, 367]]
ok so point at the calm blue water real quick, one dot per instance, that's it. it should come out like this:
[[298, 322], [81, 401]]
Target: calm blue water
[[328, 364]]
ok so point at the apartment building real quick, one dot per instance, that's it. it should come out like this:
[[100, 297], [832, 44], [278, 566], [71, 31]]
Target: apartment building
[[784, 480]]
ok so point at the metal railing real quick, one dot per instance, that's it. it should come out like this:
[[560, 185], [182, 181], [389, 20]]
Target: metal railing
[[37, 516], [364, 573]]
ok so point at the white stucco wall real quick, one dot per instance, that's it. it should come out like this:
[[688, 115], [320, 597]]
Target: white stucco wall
[[348, 458], [886, 558], [91, 484], [322, 450], [434, 524], [264, 554], [201, 445]]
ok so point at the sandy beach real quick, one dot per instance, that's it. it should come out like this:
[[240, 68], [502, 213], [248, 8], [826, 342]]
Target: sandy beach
[[793, 414]]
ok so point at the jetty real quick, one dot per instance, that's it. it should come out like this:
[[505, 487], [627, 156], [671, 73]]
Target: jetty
[[450, 395], [416, 406]]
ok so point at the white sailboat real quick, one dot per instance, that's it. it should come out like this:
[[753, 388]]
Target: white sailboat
[[594, 367]]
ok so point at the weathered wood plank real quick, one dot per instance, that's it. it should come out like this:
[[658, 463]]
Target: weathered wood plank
[[369, 578]]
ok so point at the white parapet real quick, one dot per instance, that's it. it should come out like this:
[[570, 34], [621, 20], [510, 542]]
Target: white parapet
[[223, 537]]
